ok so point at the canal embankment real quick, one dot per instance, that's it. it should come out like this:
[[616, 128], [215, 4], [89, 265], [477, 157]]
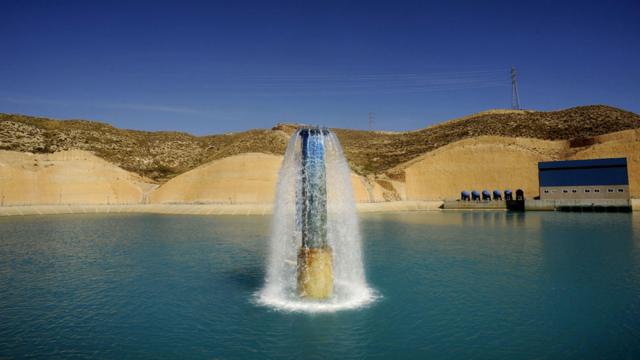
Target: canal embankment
[[202, 209], [549, 205]]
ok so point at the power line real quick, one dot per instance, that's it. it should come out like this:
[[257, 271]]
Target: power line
[[372, 83], [372, 117]]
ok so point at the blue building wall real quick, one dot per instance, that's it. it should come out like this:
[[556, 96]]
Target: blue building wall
[[583, 172]]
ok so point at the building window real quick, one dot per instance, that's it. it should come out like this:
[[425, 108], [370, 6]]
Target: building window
[[596, 190], [609, 190], [587, 190], [620, 190], [565, 191], [574, 190], [546, 191]]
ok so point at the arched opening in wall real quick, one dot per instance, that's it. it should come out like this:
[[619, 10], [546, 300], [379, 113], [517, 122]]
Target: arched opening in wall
[[508, 195]]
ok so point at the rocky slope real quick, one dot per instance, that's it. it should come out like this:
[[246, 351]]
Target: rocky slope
[[378, 152], [156, 155], [163, 155]]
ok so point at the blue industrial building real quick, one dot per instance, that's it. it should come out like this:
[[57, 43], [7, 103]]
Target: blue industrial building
[[584, 179]]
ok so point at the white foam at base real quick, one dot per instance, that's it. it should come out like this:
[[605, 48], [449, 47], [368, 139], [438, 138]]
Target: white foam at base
[[355, 299]]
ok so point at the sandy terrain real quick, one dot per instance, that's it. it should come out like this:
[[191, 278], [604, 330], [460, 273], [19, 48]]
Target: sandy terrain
[[487, 162], [67, 177]]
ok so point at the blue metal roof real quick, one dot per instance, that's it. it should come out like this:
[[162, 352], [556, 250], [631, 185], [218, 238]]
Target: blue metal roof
[[582, 163], [584, 172]]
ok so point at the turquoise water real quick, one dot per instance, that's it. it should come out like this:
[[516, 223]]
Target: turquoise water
[[452, 285]]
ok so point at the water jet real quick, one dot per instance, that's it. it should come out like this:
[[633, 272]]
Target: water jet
[[315, 272], [315, 261]]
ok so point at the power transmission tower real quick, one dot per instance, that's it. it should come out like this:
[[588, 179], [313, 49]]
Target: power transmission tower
[[515, 100], [372, 117]]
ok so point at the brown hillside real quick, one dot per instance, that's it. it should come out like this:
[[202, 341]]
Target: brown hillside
[[162, 155], [157, 155], [376, 152]]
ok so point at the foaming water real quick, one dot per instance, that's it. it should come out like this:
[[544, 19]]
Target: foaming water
[[345, 298], [343, 236]]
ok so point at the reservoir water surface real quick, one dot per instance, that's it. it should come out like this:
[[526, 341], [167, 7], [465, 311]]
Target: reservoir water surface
[[449, 285]]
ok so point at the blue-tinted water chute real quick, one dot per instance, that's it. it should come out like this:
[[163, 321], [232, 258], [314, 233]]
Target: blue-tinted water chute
[[315, 273], [314, 188]]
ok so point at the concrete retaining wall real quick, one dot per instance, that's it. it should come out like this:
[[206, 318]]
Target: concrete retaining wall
[[475, 205], [550, 205], [201, 209]]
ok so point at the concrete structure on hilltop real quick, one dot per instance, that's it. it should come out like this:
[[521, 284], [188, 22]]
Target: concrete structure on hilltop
[[584, 179]]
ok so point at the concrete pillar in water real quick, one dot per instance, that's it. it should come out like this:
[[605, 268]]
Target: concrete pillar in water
[[315, 267]]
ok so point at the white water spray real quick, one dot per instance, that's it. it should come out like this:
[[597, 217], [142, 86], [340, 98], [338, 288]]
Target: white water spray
[[350, 289]]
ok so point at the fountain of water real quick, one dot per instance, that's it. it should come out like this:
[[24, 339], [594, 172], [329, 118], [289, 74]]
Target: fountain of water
[[315, 261]]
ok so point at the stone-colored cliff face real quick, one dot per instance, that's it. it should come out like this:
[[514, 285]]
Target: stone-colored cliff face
[[359, 185], [368, 190], [379, 152], [67, 177], [491, 162], [486, 162], [158, 155], [246, 178], [79, 177], [164, 155], [489, 150]]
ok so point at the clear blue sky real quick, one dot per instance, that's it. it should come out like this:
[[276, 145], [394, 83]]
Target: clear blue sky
[[209, 67]]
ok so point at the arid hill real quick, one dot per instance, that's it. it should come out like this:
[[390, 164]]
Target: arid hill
[[377, 152], [163, 155], [157, 155]]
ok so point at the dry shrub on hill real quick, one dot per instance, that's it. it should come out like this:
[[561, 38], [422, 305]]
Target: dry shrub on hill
[[162, 155]]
